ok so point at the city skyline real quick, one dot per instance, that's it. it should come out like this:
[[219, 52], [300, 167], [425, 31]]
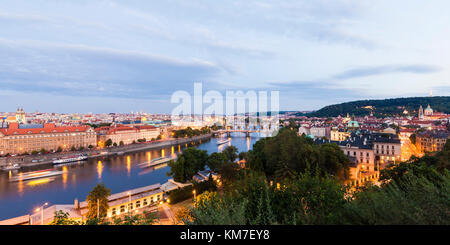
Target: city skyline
[[108, 56]]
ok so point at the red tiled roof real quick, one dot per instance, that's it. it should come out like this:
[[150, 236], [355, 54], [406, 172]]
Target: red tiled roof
[[48, 128]]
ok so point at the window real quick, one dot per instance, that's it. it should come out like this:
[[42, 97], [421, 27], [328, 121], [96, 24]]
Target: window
[[130, 206], [138, 204], [122, 208], [113, 211], [145, 202]]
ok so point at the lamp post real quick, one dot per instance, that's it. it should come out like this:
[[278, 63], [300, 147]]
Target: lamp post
[[194, 195], [129, 202], [42, 212]]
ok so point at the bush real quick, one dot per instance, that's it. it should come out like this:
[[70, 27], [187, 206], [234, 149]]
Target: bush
[[181, 194]]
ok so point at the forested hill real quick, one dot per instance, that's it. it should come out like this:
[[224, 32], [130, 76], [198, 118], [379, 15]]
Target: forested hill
[[386, 107]]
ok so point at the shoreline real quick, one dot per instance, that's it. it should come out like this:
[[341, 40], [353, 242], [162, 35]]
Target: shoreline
[[26, 161]]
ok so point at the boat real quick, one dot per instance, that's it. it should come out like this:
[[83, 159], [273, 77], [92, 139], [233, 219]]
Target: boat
[[36, 175], [221, 142], [157, 161], [120, 153], [11, 167], [70, 159]]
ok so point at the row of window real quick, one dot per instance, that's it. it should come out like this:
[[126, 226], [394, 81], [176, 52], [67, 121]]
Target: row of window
[[136, 205]]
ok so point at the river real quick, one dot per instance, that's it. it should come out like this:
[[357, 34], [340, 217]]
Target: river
[[119, 173]]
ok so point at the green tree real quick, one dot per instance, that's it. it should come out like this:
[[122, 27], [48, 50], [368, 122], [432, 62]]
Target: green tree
[[98, 201], [230, 152], [108, 143], [188, 164], [121, 143], [62, 218], [216, 160]]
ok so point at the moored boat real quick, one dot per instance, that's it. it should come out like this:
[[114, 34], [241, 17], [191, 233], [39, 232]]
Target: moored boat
[[11, 167], [70, 159]]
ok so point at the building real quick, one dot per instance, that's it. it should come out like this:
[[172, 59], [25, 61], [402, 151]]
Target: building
[[18, 138], [315, 131], [129, 201], [126, 134], [368, 151], [338, 134], [431, 141]]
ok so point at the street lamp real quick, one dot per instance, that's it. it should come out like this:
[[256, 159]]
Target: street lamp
[[129, 201], [194, 195], [42, 212]]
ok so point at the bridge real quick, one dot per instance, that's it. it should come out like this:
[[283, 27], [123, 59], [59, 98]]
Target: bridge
[[247, 132]]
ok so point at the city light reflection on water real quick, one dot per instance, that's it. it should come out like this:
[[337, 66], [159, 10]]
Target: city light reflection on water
[[119, 173]]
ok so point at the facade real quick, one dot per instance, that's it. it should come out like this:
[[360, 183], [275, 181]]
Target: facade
[[431, 141], [319, 132], [316, 132], [130, 201], [17, 139], [126, 134], [368, 150], [338, 134]]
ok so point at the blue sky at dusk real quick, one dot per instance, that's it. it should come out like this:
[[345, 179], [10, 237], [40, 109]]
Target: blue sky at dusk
[[117, 56]]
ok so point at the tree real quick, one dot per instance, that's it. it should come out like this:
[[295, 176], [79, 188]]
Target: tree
[[121, 143], [59, 149], [287, 150], [98, 201], [43, 151], [412, 138], [62, 218], [147, 218], [188, 164], [230, 152], [108, 143], [216, 160], [243, 156], [115, 144], [73, 148], [90, 147]]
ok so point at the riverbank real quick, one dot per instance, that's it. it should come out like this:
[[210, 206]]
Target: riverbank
[[36, 160]]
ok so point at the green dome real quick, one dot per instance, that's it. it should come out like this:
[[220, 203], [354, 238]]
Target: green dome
[[353, 124]]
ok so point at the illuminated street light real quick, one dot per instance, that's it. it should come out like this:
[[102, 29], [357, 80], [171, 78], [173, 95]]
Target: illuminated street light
[[42, 212]]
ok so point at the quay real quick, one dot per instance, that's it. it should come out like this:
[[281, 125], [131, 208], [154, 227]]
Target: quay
[[36, 160], [148, 198]]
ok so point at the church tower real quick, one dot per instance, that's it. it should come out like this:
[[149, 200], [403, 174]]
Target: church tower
[[20, 116], [420, 112]]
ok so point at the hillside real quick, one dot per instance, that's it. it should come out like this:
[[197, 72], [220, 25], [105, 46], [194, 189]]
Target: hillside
[[386, 107]]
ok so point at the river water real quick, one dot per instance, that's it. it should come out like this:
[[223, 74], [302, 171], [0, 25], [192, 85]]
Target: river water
[[119, 173]]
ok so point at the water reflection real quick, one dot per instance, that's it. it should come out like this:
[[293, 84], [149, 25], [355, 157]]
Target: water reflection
[[99, 169], [128, 165], [119, 173], [64, 176]]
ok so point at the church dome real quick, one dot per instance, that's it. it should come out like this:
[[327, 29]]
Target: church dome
[[428, 111]]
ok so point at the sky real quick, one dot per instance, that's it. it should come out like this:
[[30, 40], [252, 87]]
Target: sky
[[120, 56]]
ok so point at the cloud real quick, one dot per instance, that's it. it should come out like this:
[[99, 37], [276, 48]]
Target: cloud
[[386, 69], [94, 71]]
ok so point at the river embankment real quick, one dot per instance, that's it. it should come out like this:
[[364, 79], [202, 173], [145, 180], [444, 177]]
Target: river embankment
[[43, 159]]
